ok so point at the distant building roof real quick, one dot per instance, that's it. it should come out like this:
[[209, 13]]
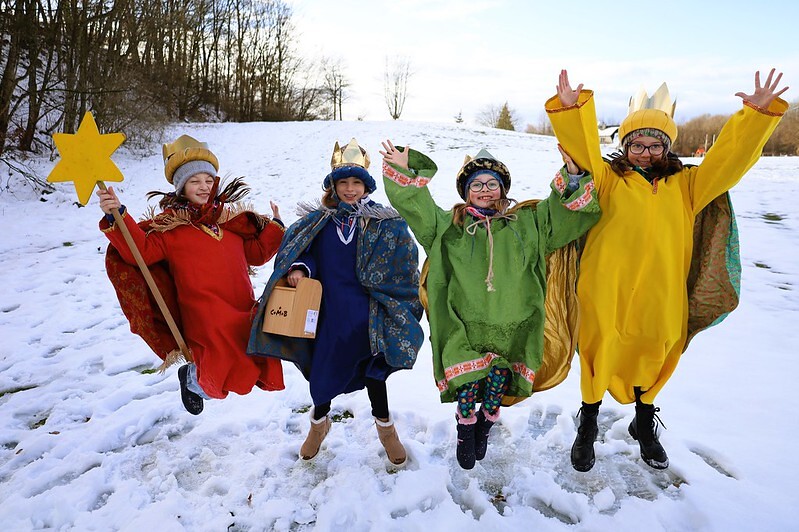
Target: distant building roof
[[608, 131]]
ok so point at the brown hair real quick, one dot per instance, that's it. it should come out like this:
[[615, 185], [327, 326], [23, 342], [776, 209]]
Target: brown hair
[[663, 167], [329, 198]]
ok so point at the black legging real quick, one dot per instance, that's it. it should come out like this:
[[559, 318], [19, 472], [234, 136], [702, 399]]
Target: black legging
[[377, 396]]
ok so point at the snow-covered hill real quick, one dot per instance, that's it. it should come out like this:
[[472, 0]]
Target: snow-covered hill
[[91, 440]]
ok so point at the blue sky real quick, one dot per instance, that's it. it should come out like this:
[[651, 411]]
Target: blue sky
[[468, 54]]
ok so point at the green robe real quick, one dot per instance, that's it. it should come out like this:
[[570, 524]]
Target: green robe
[[472, 328]]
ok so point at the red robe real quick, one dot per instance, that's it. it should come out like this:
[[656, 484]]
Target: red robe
[[204, 279]]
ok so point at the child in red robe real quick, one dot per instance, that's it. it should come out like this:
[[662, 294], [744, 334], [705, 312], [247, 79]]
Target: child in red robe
[[199, 249]]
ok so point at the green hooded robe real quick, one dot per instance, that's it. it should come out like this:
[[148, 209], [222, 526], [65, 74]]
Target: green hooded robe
[[473, 327]]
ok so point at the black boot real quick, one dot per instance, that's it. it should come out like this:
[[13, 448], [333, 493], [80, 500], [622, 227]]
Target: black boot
[[192, 402], [481, 434], [643, 430], [582, 454], [465, 450]]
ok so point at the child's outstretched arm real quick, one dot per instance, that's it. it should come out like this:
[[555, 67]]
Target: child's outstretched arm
[[573, 116], [264, 243], [406, 173], [740, 142]]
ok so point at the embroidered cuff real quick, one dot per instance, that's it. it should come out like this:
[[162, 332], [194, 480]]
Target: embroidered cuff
[[762, 109], [404, 177], [581, 196], [554, 105]]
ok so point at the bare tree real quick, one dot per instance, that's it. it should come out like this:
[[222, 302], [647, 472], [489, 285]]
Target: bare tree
[[543, 127], [335, 84], [136, 64], [785, 140], [698, 132], [11, 25], [308, 93], [488, 116], [398, 71]]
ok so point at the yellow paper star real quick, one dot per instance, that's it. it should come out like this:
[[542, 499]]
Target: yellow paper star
[[86, 158]]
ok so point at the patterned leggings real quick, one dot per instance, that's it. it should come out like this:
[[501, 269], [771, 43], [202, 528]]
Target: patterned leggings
[[495, 384]]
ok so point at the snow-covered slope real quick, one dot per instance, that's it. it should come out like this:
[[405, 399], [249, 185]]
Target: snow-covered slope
[[91, 441]]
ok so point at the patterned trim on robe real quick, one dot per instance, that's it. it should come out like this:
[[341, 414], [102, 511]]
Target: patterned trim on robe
[[403, 180], [583, 200], [479, 364], [575, 205]]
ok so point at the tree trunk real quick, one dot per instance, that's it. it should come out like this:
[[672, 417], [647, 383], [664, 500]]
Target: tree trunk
[[9, 80], [31, 29]]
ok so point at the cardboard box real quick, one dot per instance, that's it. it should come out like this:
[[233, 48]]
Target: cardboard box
[[293, 311]]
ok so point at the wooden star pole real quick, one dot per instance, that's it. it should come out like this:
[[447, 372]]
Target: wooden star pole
[[159, 299], [86, 161]]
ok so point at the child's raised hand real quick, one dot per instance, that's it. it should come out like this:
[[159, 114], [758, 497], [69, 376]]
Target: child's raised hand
[[566, 94], [763, 96], [275, 211], [294, 276], [394, 155], [108, 200], [571, 166]]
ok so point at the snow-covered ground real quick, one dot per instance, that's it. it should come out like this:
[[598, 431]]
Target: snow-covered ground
[[92, 440]]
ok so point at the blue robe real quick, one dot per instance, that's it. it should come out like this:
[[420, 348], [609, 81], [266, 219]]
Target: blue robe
[[369, 319]]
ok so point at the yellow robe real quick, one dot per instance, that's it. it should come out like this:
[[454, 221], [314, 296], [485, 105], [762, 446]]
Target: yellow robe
[[633, 271]]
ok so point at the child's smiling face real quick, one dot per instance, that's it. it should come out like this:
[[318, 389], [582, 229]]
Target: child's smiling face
[[198, 188], [484, 191], [350, 190]]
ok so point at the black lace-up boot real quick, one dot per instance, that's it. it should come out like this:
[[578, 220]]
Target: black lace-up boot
[[465, 450], [644, 429], [582, 454], [484, 423]]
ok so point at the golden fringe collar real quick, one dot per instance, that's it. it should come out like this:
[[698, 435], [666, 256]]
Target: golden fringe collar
[[166, 221]]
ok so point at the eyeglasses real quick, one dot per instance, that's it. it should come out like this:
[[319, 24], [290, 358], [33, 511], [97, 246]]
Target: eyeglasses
[[477, 186], [654, 149]]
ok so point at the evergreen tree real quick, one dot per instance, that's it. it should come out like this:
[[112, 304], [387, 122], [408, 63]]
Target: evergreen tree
[[505, 121]]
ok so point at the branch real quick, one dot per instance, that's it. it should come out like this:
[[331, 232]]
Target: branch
[[30, 176]]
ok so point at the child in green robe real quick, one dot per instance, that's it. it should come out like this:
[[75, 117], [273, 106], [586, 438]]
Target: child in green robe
[[486, 278]]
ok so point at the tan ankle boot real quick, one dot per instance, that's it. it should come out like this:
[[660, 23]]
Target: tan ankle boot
[[391, 443], [319, 429]]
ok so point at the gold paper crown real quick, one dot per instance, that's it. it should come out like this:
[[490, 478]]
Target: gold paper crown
[[183, 150], [660, 99], [350, 155], [654, 111]]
